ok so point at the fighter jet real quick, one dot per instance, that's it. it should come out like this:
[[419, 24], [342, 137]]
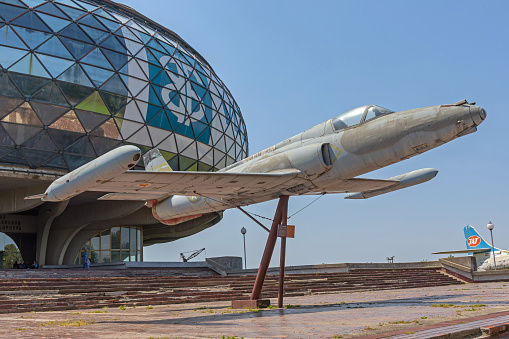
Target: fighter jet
[[325, 159]]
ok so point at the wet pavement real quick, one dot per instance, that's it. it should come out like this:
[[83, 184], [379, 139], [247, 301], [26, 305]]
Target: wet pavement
[[340, 315]]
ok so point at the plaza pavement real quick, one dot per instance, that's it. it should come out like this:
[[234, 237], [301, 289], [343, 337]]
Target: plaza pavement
[[405, 312]]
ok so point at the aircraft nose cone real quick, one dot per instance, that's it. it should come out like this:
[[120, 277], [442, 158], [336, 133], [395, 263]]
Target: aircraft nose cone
[[478, 114]]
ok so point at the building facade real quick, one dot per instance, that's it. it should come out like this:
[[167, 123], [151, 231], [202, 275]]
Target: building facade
[[81, 77]]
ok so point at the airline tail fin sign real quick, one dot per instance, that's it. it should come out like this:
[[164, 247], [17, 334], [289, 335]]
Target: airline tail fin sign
[[474, 239], [154, 161]]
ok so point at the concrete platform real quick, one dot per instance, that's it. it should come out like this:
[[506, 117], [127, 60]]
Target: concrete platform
[[408, 313]]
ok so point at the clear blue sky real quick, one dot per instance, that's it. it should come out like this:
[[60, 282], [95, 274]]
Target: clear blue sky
[[293, 64]]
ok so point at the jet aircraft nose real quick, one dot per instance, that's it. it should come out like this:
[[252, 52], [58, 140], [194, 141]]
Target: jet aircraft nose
[[478, 114]]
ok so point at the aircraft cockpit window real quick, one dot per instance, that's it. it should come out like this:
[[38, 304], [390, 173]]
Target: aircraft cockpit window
[[376, 111], [350, 118]]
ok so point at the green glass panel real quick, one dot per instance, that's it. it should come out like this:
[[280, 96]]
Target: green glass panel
[[98, 75], [9, 12], [77, 48], [49, 8], [113, 102], [32, 37], [76, 75], [96, 34], [31, 66], [204, 167], [75, 93], [174, 163], [55, 48], [20, 133], [56, 24], [9, 56], [28, 85], [7, 87], [193, 168], [55, 66], [7, 105], [73, 31], [43, 142], [94, 103], [50, 94], [96, 58], [31, 20]]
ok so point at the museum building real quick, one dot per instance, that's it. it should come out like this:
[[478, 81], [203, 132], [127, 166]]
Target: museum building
[[79, 78]]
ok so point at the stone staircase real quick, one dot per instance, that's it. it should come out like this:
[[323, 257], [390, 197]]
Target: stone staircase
[[50, 290]]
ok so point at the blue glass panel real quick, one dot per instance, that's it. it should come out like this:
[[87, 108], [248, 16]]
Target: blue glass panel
[[105, 14], [54, 47], [8, 37], [14, 2], [96, 58], [33, 3], [113, 26], [8, 56], [155, 45], [78, 49], [32, 37], [115, 85], [98, 75], [30, 65], [72, 12], [74, 32], [113, 43], [116, 59], [49, 8], [56, 24], [90, 20], [86, 6], [76, 75], [31, 20], [55, 66], [9, 12], [96, 34]]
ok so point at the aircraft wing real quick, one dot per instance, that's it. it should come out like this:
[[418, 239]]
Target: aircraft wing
[[477, 250], [146, 185]]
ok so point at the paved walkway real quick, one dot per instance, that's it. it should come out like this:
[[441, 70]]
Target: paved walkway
[[376, 313]]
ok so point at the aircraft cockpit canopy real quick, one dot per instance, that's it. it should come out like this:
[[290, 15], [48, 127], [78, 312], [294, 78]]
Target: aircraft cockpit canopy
[[358, 115]]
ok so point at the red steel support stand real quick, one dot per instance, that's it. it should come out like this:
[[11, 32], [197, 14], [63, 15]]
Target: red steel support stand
[[282, 207], [281, 290]]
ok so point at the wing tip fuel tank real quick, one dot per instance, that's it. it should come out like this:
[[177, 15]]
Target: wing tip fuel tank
[[405, 180]]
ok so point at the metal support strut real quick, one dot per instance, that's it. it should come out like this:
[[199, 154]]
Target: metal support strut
[[281, 210]]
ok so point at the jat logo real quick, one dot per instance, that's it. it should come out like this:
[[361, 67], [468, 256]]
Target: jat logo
[[473, 241]]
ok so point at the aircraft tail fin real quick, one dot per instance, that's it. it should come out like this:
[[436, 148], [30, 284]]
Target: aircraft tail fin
[[154, 161], [474, 240]]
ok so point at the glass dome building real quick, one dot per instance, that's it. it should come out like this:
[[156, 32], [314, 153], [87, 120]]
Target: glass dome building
[[79, 78]]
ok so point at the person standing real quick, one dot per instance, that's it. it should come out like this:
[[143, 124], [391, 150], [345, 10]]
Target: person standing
[[85, 259]]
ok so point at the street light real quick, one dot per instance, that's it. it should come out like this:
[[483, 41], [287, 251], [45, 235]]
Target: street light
[[491, 227], [244, 231]]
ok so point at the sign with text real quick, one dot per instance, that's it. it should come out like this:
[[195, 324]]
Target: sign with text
[[286, 231], [10, 223]]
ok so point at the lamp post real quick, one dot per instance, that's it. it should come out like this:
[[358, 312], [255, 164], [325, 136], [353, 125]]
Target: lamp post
[[244, 231], [491, 227]]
